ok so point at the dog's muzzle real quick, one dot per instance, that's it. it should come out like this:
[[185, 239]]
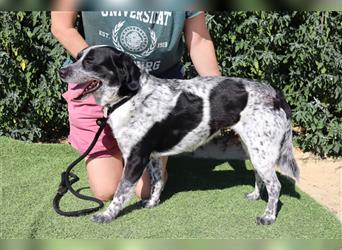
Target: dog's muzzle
[[91, 87], [64, 73]]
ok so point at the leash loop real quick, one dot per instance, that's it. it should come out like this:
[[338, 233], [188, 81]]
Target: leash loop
[[62, 189], [66, 184]]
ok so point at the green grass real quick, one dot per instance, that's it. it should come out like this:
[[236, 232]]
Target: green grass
[[202, 199]]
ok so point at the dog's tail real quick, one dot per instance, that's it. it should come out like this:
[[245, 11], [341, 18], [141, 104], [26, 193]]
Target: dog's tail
[[286, 160]]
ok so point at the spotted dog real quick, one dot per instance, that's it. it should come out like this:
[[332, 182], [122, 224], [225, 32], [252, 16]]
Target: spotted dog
[[168, 117]]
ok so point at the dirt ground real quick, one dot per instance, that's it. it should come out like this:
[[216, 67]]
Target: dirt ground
[[321, 179]]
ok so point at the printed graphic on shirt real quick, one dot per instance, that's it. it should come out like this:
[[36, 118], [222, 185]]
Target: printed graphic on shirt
[[157, 17], [134, 40]]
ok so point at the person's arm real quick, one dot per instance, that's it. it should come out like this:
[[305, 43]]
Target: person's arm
[[200, 46], [63, 29]]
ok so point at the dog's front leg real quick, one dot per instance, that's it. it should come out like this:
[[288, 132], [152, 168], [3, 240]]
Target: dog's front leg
[[121, 198], [133, 170], [157, 182]]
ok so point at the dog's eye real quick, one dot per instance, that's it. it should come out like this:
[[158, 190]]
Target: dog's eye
[[87, 61]]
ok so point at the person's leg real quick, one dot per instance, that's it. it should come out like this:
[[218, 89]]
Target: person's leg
[[104, 174], [143, 188], [164, 171]]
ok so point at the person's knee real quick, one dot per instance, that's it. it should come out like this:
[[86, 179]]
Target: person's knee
[[143, 193], [104, 194], [143, 188], [103, 176]]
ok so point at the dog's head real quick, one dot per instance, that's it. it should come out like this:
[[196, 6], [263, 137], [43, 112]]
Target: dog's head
[[108, 74]]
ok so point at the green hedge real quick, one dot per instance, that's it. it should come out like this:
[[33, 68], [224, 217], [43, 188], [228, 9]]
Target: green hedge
[[31, 105], [298, 52]]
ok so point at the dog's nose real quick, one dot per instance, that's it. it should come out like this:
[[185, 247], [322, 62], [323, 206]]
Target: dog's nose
[[63, 72]]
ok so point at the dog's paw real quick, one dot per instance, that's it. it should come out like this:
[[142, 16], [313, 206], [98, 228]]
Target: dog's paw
[[149, 203], [101, 218], [253, 196], [265, 220]]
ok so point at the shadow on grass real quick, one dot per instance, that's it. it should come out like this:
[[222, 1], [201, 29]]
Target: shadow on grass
[[126, 210], [190, 174]]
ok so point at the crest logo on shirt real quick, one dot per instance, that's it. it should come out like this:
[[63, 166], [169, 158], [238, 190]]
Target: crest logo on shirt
[[134, 40]]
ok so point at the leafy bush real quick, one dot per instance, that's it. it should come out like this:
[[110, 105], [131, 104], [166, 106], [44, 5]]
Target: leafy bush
[[31, 105], [298, 52]]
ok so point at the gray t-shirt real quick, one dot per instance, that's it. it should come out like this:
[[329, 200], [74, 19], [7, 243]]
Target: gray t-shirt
[[152, 38]]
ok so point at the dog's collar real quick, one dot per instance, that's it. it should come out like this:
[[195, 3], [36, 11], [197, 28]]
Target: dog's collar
[[110, 109]]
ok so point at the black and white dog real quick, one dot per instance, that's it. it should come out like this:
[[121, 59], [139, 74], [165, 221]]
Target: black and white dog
[[168, 117]]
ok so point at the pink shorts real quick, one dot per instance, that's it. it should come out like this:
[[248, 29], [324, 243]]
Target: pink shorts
[[83, 127]]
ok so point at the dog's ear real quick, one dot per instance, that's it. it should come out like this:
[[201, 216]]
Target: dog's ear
[[128, 74], [131, 73]]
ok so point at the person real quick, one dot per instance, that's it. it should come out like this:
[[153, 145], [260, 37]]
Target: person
[[154, 40]]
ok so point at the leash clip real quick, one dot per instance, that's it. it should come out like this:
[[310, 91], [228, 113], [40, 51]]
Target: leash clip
[[101, 121]]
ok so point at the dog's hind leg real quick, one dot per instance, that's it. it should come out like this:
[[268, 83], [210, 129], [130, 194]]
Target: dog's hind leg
[[264, 160], [259, 185], [273, 189], [263, 146], [157, 182]]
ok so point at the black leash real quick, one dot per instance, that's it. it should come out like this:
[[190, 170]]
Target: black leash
[[68, 178]]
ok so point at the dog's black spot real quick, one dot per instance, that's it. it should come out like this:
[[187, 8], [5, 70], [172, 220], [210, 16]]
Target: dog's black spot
[[276, 103], [186, 116], [136, 162], [283, 140], [227, 100], [280, 102], [143, 102]]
